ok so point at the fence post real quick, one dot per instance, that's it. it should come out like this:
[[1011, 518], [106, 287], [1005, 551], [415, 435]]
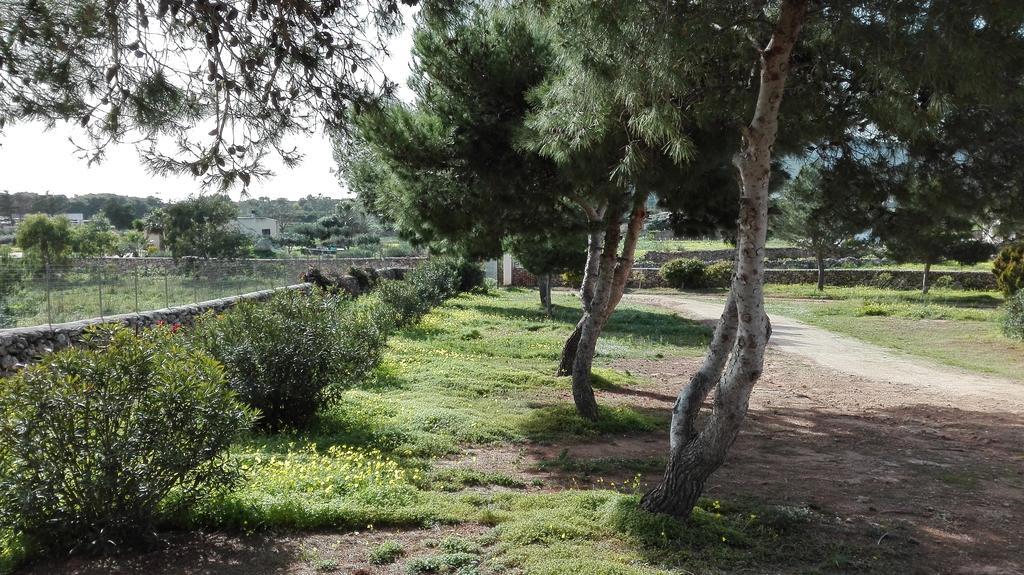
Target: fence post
[[167, 291], [49, 311], [99, 284]]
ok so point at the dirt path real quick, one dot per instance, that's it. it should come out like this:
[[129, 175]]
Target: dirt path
[[915, 377]]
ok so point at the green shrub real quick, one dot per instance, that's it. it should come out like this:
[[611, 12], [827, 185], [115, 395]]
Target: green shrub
[[436, 280], [890, 281], [396, 303], [876, 309], [718, 274], [471, 276], [1009, 269], [943, 282], [1013, 321], [96, 439], [386, 553], [684, 273], [285, 355], [573, 279]]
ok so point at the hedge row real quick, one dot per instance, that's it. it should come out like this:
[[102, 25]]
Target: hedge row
[[102, 441]]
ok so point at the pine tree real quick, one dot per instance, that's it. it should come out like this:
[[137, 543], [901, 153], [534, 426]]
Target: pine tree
[[248, 72]]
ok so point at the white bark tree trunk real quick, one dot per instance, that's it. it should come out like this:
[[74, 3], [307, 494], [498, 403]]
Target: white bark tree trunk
[[694, 455], [613, 273]]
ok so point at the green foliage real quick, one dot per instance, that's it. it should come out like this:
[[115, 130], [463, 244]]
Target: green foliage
[[719, 274], [95, 237], [825, 206], [1013, 321], [12, 274], [438, 279], [119, 212], [471, 276], [560, 250], [386, 553], [449, 169], [684, 273], [203, 226], [313, 80], [456, 479], [285, 356], [97, 439], [1009, 269], [46, 239], [573, 278]]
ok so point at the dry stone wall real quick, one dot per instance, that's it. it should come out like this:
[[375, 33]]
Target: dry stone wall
[[21, 346], [648, 277]]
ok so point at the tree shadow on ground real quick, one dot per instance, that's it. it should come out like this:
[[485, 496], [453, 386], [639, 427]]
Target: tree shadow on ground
[[661, 326], [186, 553], [949, 481]]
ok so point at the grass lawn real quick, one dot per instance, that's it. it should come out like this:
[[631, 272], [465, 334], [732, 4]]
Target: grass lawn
[[645, 245], [959, 328], [478, 372]]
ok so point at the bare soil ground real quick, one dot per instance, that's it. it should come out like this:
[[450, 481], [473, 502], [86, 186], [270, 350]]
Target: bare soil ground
[[868, 451], [279, 553]]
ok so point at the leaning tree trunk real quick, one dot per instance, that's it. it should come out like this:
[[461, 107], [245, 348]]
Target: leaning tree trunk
[[613, 276], [821, 271], [587, 289], [592, 322], [924, 277], [735, 360]]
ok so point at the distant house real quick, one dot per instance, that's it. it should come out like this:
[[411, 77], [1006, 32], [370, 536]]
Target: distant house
[[75, 219], [257, 227]]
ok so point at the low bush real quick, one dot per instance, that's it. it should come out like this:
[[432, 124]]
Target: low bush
[[684, 273], [97, 438], [573, 279], [286, 355], [471, 276], [889, 281], [1013, 321], [719, 274], [1009, 269], [436, 280], [386, 553], [395, 303]]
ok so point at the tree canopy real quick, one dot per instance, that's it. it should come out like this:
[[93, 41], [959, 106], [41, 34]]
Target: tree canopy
[[208, 87]]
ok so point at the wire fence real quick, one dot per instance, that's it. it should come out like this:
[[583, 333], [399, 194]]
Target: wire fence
[[33, 293]]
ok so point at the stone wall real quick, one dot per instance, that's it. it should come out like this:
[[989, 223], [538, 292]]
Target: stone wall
[[21, 346], [709, 256], [648, 277]]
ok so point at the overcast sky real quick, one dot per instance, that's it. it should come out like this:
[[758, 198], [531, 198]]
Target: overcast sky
[[35, 160]]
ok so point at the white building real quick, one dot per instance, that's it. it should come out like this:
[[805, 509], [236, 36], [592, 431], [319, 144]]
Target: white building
[[258, 227], [75, 219]]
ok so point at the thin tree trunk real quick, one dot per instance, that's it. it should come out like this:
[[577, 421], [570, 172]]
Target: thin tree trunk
[[544, 286], [587, 289], [624, 268], [572, 343], [924, 277], [592, 321], [694, 456], [821, 272], [613, 275]]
